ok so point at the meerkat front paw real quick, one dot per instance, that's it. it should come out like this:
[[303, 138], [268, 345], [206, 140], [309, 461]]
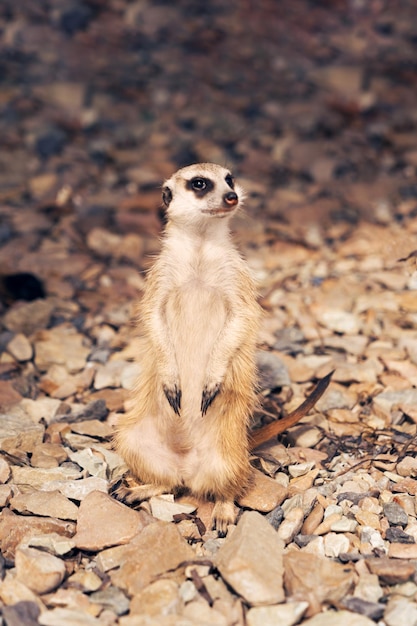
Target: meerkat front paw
[[208, 395], [224, 513], [173, 395]]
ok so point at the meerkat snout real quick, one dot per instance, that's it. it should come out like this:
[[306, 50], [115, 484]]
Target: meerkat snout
[[231, 198]]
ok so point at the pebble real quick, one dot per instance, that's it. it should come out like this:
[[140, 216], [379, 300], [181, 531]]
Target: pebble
[[335, 544], [164, 508], [368, 588], [68, 617], [300, 469], [407, 467], [250, 561], [13, 592], [339, 618], [41, 409], [373, 610], [291, 525], [4, 470], [20, 348], [28, 317], [24, 612], [400, 611], [39, 571], [61, 345], [402, 550], [284, 615], [52, 543], [313, 520], [111, 598], [395, 514], [104, 522]]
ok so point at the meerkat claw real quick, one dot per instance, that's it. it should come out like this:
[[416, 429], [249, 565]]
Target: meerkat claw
[[208, 397], [174, 398]]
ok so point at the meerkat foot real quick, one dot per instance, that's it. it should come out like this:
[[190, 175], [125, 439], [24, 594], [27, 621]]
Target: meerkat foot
[[130, 491], [224, 513], [209, 393], [173, 395]]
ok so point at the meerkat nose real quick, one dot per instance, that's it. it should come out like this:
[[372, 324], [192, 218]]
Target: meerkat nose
[[230, 198]]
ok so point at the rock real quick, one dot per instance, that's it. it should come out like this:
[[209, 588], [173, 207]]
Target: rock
[[313, 520], [13, 592], [284, 615], [337, 320], [23, 613], [111, 598], [339, 618], [159, 598], [397, 535], [303, 570], [85, 580], [263, 494], [39, 571], [41, 408], [6, 493], [335, 544], [48, 455], [48, 504], [4, 470], [104, 522], [250, 561], [400, 611], [19, 432], [373, 610], [16, 528], [68, 617], [368, 588], [395, 514], [52, 543], [295, 471], [164, 508], [159, 548], [38, 478], [407, 467], [90, 461], [27, 317], [273, 372], [61, 345], [20, 348], [391, 571], [77, 489], [291, 525], [402, 550], [9, 397]]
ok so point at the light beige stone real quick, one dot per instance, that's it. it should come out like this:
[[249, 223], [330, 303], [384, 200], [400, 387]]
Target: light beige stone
[[263, 494], [48, 504], [283, 615], [18, 431], [40, 571], [250, 561]]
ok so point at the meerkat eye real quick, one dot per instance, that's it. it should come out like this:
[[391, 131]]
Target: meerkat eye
[[198, 184], [229, 181]]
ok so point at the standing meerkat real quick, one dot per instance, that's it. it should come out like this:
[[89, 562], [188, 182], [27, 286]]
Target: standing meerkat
[[188, 425]]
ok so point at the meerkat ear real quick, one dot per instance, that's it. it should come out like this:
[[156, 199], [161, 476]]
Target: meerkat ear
[[166, 196]]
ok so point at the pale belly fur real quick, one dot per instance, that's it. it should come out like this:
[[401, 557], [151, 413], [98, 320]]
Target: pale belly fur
[[159, 441]]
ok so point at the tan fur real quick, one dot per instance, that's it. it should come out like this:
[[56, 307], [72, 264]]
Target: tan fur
[[199, 320]]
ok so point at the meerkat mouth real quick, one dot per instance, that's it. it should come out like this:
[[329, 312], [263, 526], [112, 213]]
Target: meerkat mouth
[[220, 212]]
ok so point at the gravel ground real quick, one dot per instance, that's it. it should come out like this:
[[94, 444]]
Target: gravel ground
[[312, 105]]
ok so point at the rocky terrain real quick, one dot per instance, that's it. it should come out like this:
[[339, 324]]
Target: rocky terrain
[[312, 105]]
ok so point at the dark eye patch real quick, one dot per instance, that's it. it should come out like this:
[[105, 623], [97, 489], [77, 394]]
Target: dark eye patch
[[200, 185], [166, 195], [229, 181]]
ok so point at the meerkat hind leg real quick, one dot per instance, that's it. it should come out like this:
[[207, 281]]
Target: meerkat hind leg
[[224, 513]]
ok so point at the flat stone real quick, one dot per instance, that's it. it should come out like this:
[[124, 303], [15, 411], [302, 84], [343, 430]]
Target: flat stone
[[90, 461], [68, 617], [104, 522], [407, 467], [395, 514], [6, 493], [48, 455], [400, 611], [337, 320], [291, 525], [368, 588], [40, 571], [250, 561], [52, 543], [303, 570], [402, 550], [27, 317], [41, 408], [61, 345], [264, 494], [159, 548], [48, 504], [273, 372], [24, 613], [20, 348], [38, 477], [164, 508], [17, 528], [339, 618], [4, 470], [18, 431], [335, 544], [391, 571], [14, 592], [284, 615], [111, 598], [373, 610], [86, 580], [158, 598], [77, 489]]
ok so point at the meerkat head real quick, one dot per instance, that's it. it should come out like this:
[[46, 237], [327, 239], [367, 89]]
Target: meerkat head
[[201, 192]]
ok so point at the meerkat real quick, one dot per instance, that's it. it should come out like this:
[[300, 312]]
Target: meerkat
[[199, 318], [188, 426]]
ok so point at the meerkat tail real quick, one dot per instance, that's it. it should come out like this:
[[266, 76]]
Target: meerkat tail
[[269, 431]]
